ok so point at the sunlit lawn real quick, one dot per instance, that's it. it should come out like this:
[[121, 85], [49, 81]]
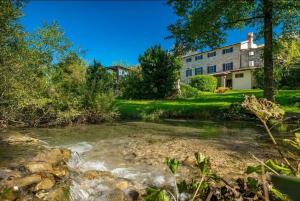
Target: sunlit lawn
[[204, 102]]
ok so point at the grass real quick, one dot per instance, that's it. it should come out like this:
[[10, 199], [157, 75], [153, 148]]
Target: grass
[[205, 104]]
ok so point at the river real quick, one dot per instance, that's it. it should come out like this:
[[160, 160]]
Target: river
[[136, 151]]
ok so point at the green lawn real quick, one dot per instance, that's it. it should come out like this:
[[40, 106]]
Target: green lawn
[[205, 103]]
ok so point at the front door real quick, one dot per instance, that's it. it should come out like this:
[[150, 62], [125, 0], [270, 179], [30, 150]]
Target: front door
[[229, 83]]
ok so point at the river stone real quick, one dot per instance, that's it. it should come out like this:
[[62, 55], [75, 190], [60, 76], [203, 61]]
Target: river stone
[[53, 156], [9, 174], [114, 195], [189, 161], [122, 185], [35, 167], [45, 184], [27, 180], [60, 171], [57, 194], [7, 194], [95, 174]]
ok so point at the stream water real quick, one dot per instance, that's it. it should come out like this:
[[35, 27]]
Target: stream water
[[136, 151]]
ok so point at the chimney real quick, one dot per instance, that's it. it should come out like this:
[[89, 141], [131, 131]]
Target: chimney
[[250, 40]]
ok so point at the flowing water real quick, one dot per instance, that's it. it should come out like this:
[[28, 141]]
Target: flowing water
[[136, 151]]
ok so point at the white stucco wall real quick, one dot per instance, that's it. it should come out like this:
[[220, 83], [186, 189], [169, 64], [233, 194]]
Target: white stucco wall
[[243, 82]]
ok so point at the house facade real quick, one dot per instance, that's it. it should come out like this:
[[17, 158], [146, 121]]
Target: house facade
[[119, 71], [233, 65]]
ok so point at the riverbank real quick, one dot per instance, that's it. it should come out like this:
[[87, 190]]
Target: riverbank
[[205, 106]]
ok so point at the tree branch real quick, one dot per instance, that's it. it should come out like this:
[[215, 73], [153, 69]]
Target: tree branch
[[244, 20]]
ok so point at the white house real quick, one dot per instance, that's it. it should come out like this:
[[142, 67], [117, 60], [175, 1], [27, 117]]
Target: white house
[[233, 65]]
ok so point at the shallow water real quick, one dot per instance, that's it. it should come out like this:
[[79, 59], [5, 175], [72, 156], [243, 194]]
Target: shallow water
[[108, 147]]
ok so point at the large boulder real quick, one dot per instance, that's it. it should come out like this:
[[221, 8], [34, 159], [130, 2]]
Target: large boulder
[[35, 167], [53, 156], [25, 181]]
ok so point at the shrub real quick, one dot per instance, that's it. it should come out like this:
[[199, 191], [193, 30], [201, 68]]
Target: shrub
[[204, 82], [221, 90], [187, 91], [131, 86]]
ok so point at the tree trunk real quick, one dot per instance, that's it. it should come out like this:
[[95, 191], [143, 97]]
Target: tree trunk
[[268, 50]]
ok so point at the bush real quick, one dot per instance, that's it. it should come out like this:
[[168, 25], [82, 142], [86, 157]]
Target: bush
[[187, 91], [221, 90], [204, 82], [131, 86]]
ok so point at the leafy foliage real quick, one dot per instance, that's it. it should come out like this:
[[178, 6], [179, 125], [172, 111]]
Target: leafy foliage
[[173, 164], [160, 72], [204, 82], [43, 79], [187, 91], [155, 195], [132, 86]]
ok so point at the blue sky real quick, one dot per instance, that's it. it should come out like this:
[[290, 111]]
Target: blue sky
[[110, 31]]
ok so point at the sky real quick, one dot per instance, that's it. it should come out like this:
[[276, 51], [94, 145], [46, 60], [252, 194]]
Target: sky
[[111, 31]]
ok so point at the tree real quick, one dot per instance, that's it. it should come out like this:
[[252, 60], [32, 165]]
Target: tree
[[160, 72], [202, 23], [98, 80]]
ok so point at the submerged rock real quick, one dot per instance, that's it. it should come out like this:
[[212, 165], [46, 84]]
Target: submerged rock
[[95, 174], [19, 138], [114, 195]]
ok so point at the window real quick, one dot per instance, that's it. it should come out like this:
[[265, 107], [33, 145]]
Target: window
[[228, 50], [198, 57], [211, 69], [188, 60], [239, 75], [227, 66], [251, 63], [211, 54], [251, 53], [198, 71], [188, 73]]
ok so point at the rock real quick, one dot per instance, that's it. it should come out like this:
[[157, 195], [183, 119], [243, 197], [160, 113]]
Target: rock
[[133, 195], [189, 161], [7, 194], [53, 156], [57, 194], [66, 154], [60, 171], [21, 139], [114, 195], [35, 167], [45, 184], [27, 180], [95, 174], [122, 184], [9, 174]]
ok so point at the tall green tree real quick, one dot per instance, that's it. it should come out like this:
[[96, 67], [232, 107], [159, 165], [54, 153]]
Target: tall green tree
[[160, 72], [203, 23]]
